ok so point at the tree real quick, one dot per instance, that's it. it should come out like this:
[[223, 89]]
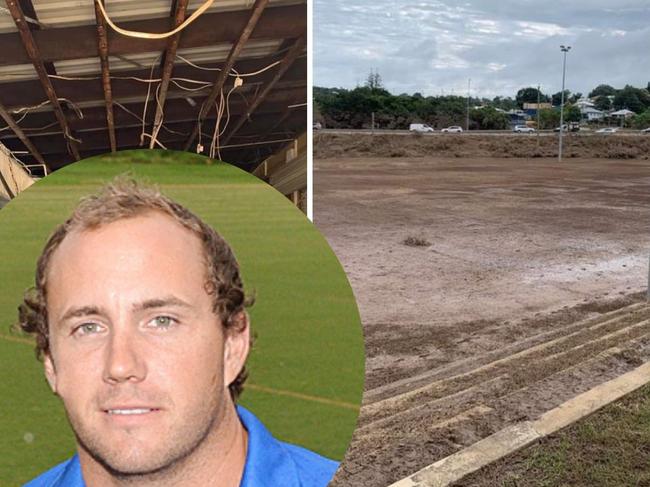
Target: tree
[[556, 99], [642, 120], [603, 103], [572, 113], [488, 118], [635, 99], [575, 97], [373, 81], [549, 118], [504, 103], [529, 95], [602, 90]]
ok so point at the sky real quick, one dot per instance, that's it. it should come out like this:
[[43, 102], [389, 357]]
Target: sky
[[435, 47]]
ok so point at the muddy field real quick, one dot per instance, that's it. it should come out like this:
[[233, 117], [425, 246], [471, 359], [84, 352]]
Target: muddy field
[[491, 290], [580, 145]]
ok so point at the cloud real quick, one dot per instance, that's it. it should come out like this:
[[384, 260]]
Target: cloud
[[435, 47]]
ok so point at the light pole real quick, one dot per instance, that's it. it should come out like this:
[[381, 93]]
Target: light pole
[[469, 80], [538, 126], [564, 49]]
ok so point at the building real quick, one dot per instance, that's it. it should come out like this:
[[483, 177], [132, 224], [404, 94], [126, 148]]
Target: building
[[590, 114], [624, 113]]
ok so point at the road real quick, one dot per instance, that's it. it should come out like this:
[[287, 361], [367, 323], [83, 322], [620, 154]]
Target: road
[[497, 133]]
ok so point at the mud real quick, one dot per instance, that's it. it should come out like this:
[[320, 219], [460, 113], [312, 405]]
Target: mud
[[510, 311], [628, 146]]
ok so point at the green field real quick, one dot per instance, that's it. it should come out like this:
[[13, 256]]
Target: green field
[[306, 368]]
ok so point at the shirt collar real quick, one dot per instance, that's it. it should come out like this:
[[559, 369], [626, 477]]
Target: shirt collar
[[267, 460]]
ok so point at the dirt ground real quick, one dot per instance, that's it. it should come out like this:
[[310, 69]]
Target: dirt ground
[[586, 145], [521, 287]]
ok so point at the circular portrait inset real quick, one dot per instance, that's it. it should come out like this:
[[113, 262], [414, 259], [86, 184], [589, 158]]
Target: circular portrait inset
[[191, 327]]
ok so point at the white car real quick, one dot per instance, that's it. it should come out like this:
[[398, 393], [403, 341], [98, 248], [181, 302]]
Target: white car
[[453, 129], [420, 128], [523, 129], [607, 130], [646, 131]]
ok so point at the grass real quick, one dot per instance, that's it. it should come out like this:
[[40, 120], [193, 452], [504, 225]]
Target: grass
[[308, 357], [610, 448]]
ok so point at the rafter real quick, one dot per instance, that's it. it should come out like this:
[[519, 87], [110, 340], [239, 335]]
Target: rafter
[[236, 49], [33, 52], [21, 135], [170, 56], [286, 113], [50, 142], [286, 63], [176, 109], [102, 47], [24, 93]]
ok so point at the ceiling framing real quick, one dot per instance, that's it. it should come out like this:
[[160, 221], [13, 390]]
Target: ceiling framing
[[56, 121]]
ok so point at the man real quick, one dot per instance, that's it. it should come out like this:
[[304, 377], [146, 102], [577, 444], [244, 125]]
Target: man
[[139, 313]]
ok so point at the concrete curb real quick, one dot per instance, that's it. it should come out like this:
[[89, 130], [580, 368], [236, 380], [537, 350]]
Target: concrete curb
[[517, 436]]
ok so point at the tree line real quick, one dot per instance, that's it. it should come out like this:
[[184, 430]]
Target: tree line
[[355, 108]]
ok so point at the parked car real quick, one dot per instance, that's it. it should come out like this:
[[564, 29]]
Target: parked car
[[646, 131], [607, 130], [422, 128], [523, 129], [453, 129], [317, 126], [571, 127]]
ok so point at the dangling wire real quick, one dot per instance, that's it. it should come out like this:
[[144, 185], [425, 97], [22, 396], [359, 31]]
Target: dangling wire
[[150, 35]]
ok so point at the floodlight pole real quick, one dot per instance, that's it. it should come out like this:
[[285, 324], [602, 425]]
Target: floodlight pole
[[538, 125], [564, 49], [647, 296], [469, 81]]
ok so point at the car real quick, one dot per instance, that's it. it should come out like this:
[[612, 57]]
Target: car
[[317, 126], [421, 128], [646, 131], [607, 130], [453, 129], [523, 129], [571, 127]]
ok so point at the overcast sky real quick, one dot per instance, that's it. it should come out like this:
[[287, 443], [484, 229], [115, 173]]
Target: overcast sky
[[434, 47]]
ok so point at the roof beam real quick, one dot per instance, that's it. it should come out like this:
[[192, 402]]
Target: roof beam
[[170, 57], [236, 49], [65, 43], [286, 63], [18, 94], [32, 51], [39, 123], [21, 135], [287, 112], [102, 47], [52, 147]]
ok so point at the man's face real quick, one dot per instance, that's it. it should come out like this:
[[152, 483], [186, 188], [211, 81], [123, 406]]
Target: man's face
[[138, 357]]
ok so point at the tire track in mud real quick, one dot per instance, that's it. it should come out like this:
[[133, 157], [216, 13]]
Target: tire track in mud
[[468, 364], [470, 399], [586, 338]]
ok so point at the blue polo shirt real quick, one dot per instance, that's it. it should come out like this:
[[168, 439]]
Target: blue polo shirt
[[269, 462]]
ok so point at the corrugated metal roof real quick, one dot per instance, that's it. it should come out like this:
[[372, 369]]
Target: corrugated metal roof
[[17, 72], [6, 22], [66, 13], [204, 54], [57, 14]]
